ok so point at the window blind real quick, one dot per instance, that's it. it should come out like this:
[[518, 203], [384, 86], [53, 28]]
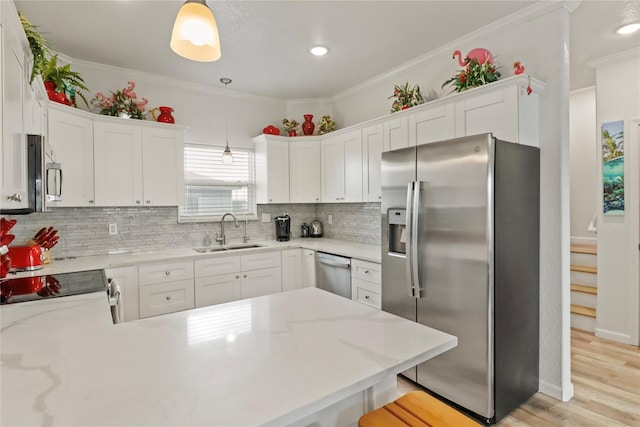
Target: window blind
[[213, 188]]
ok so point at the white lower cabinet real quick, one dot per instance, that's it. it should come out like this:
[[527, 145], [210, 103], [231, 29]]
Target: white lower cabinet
[[165, 287], [308, 268], [291, 269], [165, 298], [366, 282], [224, 279], [127, 278]]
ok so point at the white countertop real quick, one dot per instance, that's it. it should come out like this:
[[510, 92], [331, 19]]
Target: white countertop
[[361, 251], [268, 360]]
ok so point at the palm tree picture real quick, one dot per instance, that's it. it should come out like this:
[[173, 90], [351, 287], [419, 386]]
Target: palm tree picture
[[613, 167]]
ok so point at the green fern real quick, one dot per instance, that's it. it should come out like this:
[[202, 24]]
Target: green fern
[[67, 81], [39, 45]]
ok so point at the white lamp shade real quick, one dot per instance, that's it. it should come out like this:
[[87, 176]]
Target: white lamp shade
[[195, 33]]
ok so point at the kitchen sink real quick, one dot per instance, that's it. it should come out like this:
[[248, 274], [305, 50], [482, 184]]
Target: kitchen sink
[[206, 250]]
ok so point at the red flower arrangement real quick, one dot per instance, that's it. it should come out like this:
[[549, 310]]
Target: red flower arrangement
[[121, 102]]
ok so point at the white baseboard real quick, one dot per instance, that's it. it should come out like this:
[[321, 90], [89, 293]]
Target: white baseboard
[[584, 240], [613, 336], [560, 393]]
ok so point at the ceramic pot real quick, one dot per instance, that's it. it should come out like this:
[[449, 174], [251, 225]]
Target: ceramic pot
[[165, 115], [271, 130], [307, 125], [54, 96]]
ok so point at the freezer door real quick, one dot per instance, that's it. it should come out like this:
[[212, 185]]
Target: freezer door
[[398, 170], [455, 266]]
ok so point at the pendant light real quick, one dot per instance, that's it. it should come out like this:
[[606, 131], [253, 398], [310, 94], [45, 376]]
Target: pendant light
[[227, 157], [630, 18], [195, 33]]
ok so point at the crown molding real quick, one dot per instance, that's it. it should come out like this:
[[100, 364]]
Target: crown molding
[[527, 14], [615, 58], [590, 88], [170, 81]]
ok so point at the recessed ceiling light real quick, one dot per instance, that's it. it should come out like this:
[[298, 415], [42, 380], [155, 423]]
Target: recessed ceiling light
[[629, 28], [318, 50]]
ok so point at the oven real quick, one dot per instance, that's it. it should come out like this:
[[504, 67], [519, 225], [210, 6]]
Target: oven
[[34, 288]]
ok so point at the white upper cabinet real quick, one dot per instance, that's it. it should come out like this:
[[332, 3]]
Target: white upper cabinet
[[372, 143], [431, 125], [272, 169], [118, 163], [396, 133], [341, 162], [163, 166], [14, 81], [71, 135], [304, 170]]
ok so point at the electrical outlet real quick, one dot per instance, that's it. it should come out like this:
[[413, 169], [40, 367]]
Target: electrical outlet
[[113, 229], [266, 217], [329, 219]]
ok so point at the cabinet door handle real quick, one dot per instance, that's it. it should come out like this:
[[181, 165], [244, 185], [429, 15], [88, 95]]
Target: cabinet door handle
[[237, 276], [271, 200], [167, 273], [169, 297], [138, 201], [366, 297], [148, 201], [244, 275], [366, 272], [91, 201], [15, 197]]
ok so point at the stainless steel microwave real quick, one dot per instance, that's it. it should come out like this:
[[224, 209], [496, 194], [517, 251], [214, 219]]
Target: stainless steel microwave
[[44, 178]]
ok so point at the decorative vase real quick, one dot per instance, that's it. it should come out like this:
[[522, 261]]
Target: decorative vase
[[124, 115], [271, 130], [292, 133], [54, 96], [165, 115], [308, 126]]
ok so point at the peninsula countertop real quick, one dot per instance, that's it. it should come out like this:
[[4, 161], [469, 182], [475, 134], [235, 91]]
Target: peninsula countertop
[[269, 360], [363, 251]]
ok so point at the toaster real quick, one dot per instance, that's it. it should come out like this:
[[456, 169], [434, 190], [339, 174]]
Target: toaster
[[26, 258]]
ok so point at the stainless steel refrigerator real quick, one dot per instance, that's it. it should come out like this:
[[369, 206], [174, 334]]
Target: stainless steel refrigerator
[[460, 253]]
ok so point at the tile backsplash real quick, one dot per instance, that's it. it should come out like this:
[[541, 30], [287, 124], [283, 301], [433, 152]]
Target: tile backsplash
[[85, 231]]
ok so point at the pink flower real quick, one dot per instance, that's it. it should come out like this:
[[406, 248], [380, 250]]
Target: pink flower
[[100, 96], [106, 103], [142, 104]]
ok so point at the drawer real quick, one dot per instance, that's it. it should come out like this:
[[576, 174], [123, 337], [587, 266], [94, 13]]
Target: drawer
[[366, 270], [217, 265], [366, 293], [166, 298], [260, 260], [165, 272]]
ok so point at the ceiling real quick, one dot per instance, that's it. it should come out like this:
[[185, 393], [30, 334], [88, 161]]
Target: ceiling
[[264, 43]]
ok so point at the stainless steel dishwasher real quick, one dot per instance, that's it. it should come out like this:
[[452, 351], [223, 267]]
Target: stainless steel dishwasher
[[333, 274]]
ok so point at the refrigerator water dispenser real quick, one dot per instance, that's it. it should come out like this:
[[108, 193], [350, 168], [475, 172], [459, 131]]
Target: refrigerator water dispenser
[[397, 223]]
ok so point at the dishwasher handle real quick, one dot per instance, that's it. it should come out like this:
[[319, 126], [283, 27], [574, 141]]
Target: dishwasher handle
[[346, 265]]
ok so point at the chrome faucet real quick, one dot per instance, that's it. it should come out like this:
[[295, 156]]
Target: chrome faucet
[[223, 239]]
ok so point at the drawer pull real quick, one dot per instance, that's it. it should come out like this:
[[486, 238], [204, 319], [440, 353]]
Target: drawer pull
[[167, 273], [244, 275], [237, 276], [169, 297], [366, 297], [366, 272]]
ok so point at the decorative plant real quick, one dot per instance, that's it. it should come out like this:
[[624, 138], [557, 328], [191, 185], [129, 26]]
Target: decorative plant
[[39, 46], [326, 125], [121, 101], [406, 97], [290, 125], [66, 81], [473, 75]]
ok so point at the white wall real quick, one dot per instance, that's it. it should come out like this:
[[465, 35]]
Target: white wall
[[618, 307], [584, 159], [201, 108], [540, 42]]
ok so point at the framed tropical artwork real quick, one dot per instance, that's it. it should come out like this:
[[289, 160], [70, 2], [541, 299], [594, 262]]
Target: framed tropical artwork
[[613, 167]]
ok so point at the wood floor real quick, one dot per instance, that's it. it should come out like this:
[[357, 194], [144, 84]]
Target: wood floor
[[606, 380]]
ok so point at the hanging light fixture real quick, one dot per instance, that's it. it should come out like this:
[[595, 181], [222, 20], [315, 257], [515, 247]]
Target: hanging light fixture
[[227, 157], [195, 33], [630, 18]]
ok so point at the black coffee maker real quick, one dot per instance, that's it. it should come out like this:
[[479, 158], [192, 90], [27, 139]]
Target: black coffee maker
[[283, 228]]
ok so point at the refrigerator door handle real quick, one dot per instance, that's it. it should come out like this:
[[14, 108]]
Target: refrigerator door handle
[[409, 238], [415, 217]]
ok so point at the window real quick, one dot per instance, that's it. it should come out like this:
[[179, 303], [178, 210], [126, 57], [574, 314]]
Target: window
[[213, 188]]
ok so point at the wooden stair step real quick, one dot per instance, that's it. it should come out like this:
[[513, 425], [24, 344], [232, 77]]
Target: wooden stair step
[[584, 311], [585, 289], [579, 248], [584, 268]]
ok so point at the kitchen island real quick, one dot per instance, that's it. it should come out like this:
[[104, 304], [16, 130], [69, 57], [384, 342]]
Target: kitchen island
[[292, 358]]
